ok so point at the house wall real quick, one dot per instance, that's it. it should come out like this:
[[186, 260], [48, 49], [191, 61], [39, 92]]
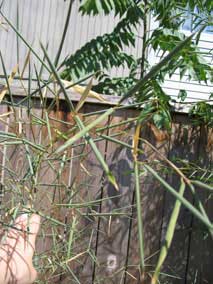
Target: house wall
[[43, 21], [196, 91]]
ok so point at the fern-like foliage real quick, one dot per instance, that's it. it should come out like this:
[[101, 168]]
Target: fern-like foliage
[[95, 7], [190, 60], [114, 86], [105, 52]]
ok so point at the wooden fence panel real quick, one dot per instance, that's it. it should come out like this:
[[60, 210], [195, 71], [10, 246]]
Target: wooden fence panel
[[199, 267], [152, 207], [16, 164], [53, 190], [114, 229], [105, 248], [184, 145], [3, 128], [88, 178]]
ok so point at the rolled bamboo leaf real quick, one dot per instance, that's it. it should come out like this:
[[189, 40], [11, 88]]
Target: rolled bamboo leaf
[[84, 96], [155, 69], [6, 88], [64, 33], [139, 216], [169, 234], [203, 185], [138, 197], [81, 89], [84, 130], [184, 201]]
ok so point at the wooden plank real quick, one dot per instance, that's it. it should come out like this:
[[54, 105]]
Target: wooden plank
[[87, 177], [17, 91], [114, 230], [115, 239], [48, 189], [52, 189], [3, 128], [199, 268], [16, 164], [107, 101], [152, 195], [184, 145]]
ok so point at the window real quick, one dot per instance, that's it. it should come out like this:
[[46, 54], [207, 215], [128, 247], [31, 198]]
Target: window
[[191, 22]]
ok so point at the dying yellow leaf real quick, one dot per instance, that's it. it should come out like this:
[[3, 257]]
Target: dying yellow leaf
[[81, 90], [5, 88]]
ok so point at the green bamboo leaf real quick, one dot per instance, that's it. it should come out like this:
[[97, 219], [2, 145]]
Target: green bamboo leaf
[[106, 214], [57, 77], [155, 69], [11, 136], [11, 143], [64, 33], [203, 185], [36, 146], [98, 155], [9, 81], [53, 220], [84, 96], [84, 130], [169, 234], [139, 216], [71, 237], [7, 134], [88, 203], [117, 141], [48, 129], [26, 62], [184, 201]]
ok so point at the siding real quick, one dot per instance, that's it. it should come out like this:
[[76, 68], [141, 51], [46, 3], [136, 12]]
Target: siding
[[43, 21], [195, 91]]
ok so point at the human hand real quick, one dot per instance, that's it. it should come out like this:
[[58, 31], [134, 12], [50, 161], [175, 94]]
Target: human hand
[[16, 251]]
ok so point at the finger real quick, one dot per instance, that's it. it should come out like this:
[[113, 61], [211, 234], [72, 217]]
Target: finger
[[16, 232], [34, 225], [23, 237], [33, 229]]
